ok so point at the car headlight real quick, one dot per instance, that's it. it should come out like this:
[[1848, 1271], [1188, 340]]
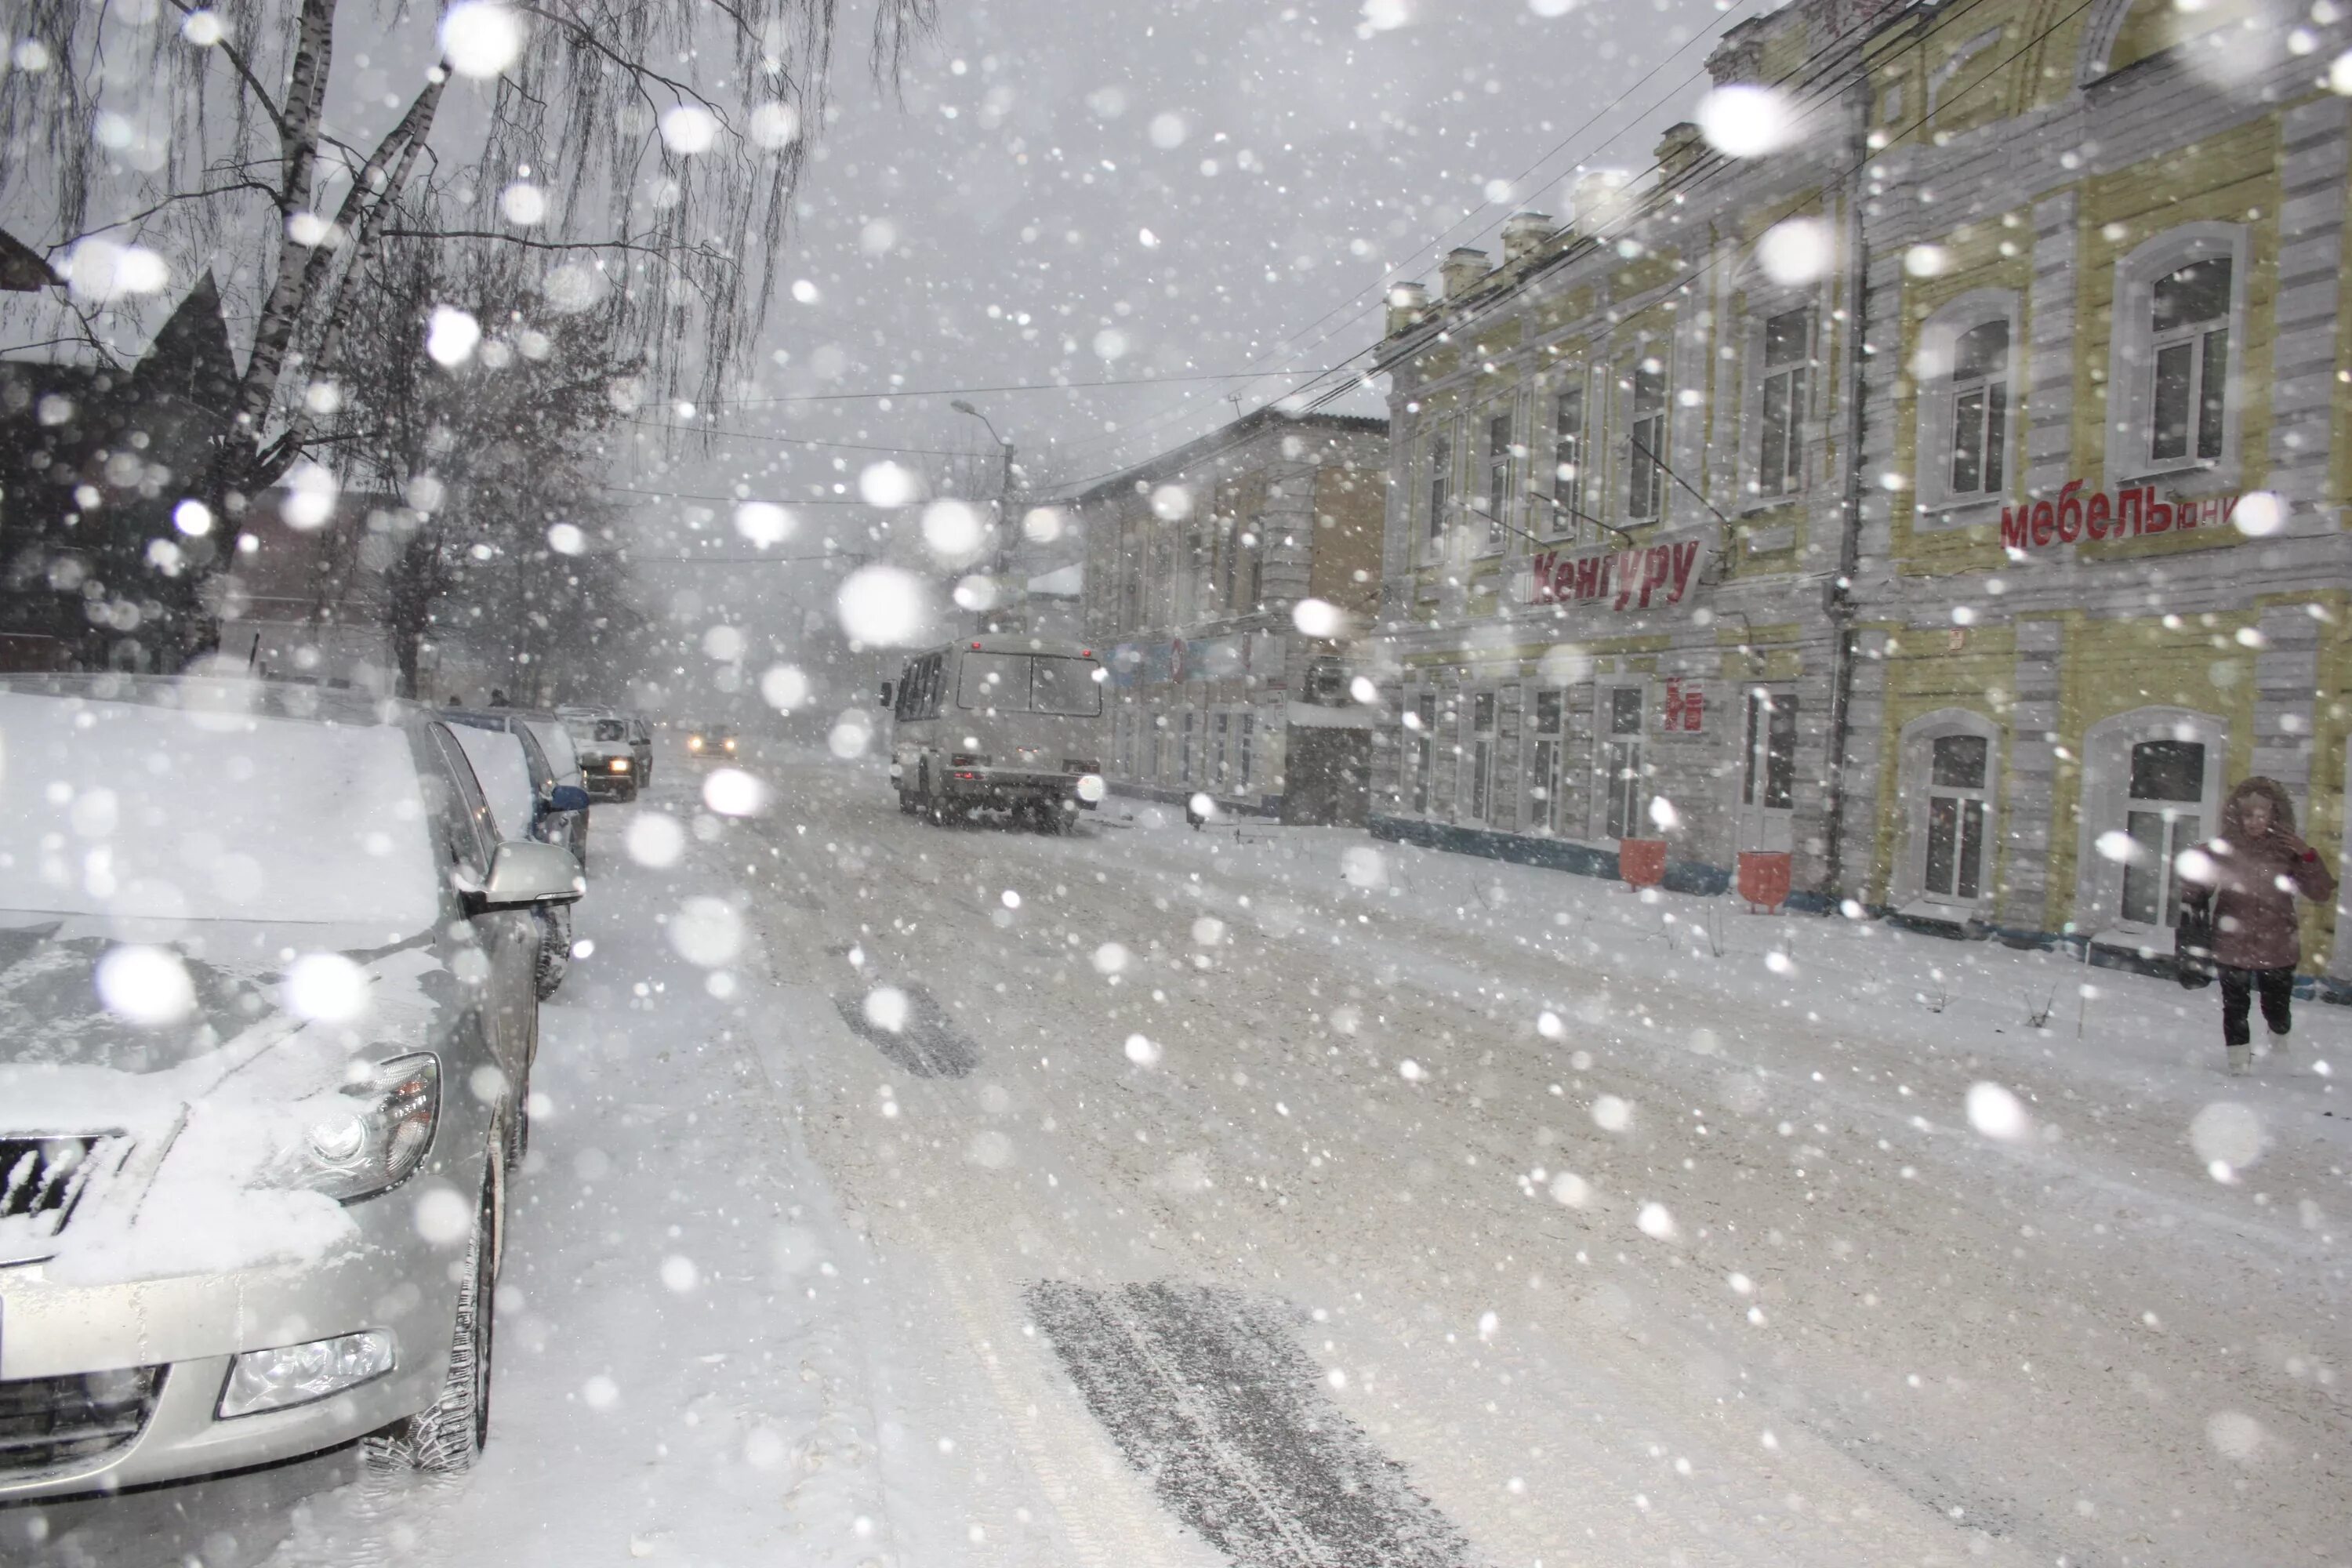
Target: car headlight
[[731, 743], [371, 1135], [694, 742], [619, 764], [297, 1375]]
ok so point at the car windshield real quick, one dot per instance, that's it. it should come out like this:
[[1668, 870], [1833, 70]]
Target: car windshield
[[504, 773], [135, 810], [556, 741]]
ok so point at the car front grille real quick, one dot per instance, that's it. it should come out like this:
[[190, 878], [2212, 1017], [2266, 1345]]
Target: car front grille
[[54, 1423], [41, 1180], [1081, 765]]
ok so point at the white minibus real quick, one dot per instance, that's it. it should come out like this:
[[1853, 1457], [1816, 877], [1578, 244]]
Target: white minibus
[[999, 723]]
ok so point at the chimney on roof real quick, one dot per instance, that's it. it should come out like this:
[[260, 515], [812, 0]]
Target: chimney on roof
[[1462, 269], [1602, 199], [1408, 303], [1679, 150], [1523, 231]]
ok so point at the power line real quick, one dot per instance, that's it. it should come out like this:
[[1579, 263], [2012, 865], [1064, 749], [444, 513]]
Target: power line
[[1008, 386], [1815, 67], [735, 501], [1396, 270]]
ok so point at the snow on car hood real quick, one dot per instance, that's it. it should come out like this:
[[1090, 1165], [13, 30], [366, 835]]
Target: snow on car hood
[[195, 1100]]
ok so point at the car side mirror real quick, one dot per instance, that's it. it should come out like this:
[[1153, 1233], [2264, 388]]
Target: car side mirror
[[567, 797], [886, 694], [525, 874]]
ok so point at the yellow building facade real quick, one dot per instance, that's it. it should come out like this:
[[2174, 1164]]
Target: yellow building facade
[[1972, 464]]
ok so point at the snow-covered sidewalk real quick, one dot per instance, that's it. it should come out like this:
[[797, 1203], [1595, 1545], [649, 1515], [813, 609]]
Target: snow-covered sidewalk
[[679, 1371]]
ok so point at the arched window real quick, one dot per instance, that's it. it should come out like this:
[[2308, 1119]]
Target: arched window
[[2151, 787], [1950, 779], [2173, 398], [1967, 373]]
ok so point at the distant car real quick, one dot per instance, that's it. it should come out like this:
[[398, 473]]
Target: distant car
[[608, 762], [710, 742], [525, 802], [264, 1067], [554, 764]]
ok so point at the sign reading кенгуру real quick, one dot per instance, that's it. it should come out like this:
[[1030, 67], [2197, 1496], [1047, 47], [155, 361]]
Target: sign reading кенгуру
[[1640, 578]]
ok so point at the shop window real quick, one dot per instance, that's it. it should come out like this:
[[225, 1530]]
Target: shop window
[[1770, 779], [1220, 758], [1568, 461], [1479, 760], [1781, 406], [1245, 727], [2151, 786], [1948, 769], [1957, 804], [1498, 479], [2165, 817], [1184, 752], [1543, 761], [1620, 761], [2180, 308], [1646, 492], [1420, 742]]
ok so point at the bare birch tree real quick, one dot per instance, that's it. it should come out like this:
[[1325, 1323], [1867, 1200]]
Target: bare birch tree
[[641, 155]]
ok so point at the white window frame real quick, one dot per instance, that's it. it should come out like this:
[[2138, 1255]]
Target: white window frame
[[1417, 791], [1931, 370], [1762, 307], [1604, 776], [1494, 534], [1435, 527], [2131, 373], [1566, 497], [1660, 350], [1916, 776], [1481, 750], [1543, 813], [2106, 789]]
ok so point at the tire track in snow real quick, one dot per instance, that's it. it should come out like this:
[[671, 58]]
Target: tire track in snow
[[1204, 1392], [925, 1043]]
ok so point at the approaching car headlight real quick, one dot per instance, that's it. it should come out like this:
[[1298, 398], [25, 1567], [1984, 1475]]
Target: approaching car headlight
[[371, 1135], [619, 764], [694, 742], [731, 743]]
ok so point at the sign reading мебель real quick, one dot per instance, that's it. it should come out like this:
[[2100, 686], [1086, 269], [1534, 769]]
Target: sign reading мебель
[[2132, 513], [1645, 577]]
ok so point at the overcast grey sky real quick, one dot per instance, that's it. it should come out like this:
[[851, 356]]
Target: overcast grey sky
[[1117, 190]]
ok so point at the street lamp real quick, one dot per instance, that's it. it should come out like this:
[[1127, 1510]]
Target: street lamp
[[1004, 495]]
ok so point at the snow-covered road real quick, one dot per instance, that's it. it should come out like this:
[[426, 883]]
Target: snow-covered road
[[1277, 1198]]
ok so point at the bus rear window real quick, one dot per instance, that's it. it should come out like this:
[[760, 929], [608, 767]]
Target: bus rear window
[[1066, 686], [1023, 683]]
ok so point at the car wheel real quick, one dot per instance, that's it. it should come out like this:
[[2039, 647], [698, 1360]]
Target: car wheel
[[554, 950], [446, 1439]]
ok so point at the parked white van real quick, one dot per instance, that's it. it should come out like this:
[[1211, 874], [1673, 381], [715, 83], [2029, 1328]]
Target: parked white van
[[999, 723]]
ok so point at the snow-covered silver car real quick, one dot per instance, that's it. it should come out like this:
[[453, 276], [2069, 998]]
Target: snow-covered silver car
[[267, 1022]]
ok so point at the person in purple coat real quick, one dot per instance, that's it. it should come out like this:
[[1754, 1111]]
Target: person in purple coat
[[2249, 876]]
